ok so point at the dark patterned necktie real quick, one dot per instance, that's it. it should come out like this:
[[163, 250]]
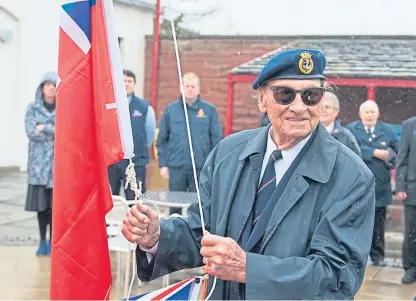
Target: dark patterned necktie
[[267, 185]]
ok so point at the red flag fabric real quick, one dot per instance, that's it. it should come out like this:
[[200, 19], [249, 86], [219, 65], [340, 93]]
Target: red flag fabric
[[92, 131]]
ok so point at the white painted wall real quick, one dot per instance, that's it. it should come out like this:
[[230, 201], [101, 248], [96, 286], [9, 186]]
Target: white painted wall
[[132, 25], [34, 52]]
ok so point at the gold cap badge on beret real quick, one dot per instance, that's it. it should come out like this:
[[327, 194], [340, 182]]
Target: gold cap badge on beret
[[305, 62]]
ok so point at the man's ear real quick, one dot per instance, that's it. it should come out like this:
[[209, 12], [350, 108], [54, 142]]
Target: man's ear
[[260, 101]]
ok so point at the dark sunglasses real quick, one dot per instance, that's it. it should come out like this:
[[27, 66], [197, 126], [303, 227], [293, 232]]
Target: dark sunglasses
[[285, 95]]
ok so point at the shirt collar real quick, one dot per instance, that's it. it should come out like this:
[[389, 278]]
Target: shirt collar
[[129, 98], [288, 155], [371, 128], [330, 128]]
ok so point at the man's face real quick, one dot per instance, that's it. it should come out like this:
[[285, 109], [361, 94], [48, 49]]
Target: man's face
[[49, 90], [328, 111], [369, 115], [191, 88], [130, 84], [295, 120]]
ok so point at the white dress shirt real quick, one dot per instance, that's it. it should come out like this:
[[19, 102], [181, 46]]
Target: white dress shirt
[[288, 156], [371, 129], [330, 128], [280, 166]]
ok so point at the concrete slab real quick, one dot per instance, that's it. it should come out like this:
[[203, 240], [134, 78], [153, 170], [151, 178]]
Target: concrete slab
[[387, 290], [389, 275], [371, 272], [26, 277]]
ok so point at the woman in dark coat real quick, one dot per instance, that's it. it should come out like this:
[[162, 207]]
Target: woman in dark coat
[[40, 129]]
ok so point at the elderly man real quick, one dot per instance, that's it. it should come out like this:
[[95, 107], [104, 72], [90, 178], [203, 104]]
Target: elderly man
[[289, 210], [406, 191], [378, 142], [329, 118]]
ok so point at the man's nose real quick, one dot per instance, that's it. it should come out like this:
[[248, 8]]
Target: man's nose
[[297, 105]]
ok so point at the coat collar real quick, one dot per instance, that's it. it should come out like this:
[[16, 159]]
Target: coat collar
[[40, 107], [257, 144], [337, 127], [195, 106], [318, 161], [378, 129]]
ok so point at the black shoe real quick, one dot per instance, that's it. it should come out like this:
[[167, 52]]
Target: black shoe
[[409, 277]]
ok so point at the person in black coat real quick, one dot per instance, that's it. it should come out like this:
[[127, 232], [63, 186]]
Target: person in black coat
[[406, 191], [329, 118], [378, 143]]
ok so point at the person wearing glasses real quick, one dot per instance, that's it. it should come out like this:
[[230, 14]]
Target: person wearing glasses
[[288, 210], [329, 118]]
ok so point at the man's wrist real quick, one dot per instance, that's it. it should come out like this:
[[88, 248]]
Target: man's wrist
[[151, 250]]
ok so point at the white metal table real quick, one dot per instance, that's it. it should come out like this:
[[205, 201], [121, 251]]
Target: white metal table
[[171, 199]]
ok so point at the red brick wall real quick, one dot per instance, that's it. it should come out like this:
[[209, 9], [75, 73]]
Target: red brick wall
[[211, 59]]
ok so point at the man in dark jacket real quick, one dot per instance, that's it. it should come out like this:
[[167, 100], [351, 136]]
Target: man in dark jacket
[[289, 210], [172, 144], [406, 191], [375, 138], [329, 118], [143, 125]]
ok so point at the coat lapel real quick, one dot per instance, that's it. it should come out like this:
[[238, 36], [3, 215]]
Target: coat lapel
[[378, 131], [250, 190], [316, 165], [225, 218], [245, 186]]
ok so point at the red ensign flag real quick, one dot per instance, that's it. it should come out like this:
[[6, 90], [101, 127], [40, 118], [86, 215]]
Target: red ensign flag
[[92, 131]]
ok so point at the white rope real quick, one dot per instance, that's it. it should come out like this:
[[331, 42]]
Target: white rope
[[131, 174], [178, 64], [137, 189], [134, 273], [131, 179]]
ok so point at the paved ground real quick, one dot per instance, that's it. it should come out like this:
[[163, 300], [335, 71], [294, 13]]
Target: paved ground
[[24, 276]]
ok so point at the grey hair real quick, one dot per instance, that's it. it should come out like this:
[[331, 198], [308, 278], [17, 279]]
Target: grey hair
[[370, 103], [333, 98]]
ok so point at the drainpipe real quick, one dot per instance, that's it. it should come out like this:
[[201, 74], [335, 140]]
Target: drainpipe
[[155, 65], [371, 92], [230, 105]]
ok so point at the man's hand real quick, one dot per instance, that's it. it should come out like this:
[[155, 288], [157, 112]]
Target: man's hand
[[141, 226], [381, 154], [164, 172], [402, 195], [40, 127], [223, 258]]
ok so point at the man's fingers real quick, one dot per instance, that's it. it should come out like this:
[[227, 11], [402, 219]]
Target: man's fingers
[[208, 251], [137, 212], [138, 231], [150, 213], [128, 235], [212, 240], [140, 210], [136, 223], [216, 260]]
